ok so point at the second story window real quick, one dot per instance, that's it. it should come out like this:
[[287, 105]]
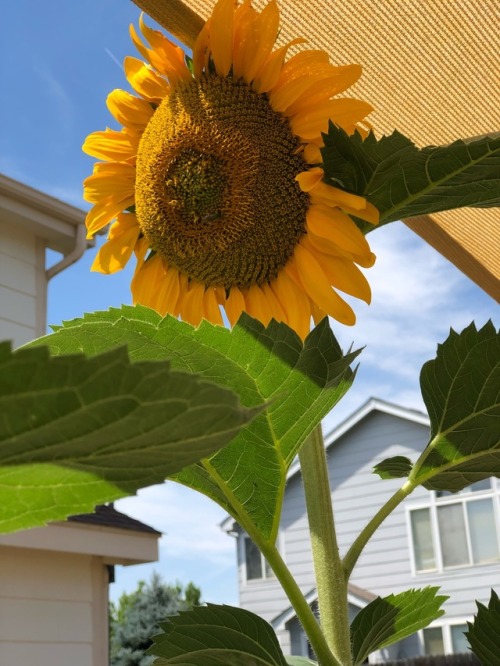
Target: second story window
[[457, 530], [255, 564]]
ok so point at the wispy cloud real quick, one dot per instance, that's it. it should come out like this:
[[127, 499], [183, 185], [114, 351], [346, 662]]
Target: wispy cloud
[[63, 105], [114, 58]]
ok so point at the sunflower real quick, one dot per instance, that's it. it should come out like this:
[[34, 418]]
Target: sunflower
[[215, 179]]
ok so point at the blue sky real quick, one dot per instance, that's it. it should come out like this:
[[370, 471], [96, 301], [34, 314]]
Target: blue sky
[[59, 62]]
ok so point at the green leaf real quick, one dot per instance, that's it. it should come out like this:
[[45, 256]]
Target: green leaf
[[76, 432], [393, 468], [461, 390], [388, 620], [299, 383], [214, 635], [484, 632], [300, 661], [402, 180]]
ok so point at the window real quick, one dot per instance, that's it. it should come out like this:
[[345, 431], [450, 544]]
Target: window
[[433, 640], [457, 530], [256, 566], [446, 639]]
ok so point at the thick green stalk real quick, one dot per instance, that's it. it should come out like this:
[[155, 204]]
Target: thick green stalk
[[331, 580], [304, 614]]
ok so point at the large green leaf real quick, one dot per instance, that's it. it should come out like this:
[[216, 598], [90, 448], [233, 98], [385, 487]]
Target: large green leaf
[[76, 432], [402, 180], [461, 389], [301, 383], [388, 620], [484, 632], [217, 635]]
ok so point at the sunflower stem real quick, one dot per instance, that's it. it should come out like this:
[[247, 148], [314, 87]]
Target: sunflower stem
[[331, 578], [301, 607]]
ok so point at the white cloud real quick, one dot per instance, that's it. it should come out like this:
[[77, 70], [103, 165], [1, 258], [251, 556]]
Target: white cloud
[[188, 520]]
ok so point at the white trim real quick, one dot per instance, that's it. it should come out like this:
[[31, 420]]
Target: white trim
[[50, 219], [280, 620], [372, 405]]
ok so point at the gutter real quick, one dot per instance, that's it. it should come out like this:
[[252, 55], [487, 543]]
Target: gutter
[[81, 244]]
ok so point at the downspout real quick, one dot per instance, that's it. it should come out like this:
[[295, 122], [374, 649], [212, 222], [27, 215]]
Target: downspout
[[81, 244]]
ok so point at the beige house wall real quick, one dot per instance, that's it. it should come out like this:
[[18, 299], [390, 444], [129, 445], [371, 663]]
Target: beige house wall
[[23, 285], [52, 608]]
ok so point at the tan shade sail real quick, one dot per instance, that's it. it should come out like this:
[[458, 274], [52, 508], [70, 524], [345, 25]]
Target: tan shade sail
[[431, 69]]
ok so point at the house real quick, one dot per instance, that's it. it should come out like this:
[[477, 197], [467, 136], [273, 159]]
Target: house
[[54, 584], [432, 538], [30, 223], [54, 580]]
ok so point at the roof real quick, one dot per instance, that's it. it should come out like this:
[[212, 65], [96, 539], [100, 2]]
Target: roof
[[55, 221], [356, 596], [370, 406], [427, 71], [105, 515]]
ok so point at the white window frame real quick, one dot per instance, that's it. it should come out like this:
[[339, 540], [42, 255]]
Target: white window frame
[[432, 504], [446, 629], [243, 560]]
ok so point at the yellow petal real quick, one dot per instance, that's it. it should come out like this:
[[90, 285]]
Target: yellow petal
[[144, 80], [260, 40], [342, 273], [211, 310], [200, 50], [294, 89], [308, 180], [312, 154], [235, 305], [270, 71], [303, 64], [115, 253], [318, 288], [147, 279], [165, 56], [192, 304], [339, 80], [128, 110], [364, 261], [103, 213], [257, 304], [221, 36], [276, 308], [338, 228], [313, 121], [111, 145], [335, 196], [115, 183], [244, 19], [294, 302]]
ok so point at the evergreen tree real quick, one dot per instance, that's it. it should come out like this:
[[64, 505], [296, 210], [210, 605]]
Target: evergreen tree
[[136, 616]]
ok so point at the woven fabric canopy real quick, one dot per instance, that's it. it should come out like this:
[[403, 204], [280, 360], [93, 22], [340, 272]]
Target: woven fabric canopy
[[430, 69]]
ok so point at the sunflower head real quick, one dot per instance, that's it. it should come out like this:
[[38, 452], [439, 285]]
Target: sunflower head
[[215, 179]]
